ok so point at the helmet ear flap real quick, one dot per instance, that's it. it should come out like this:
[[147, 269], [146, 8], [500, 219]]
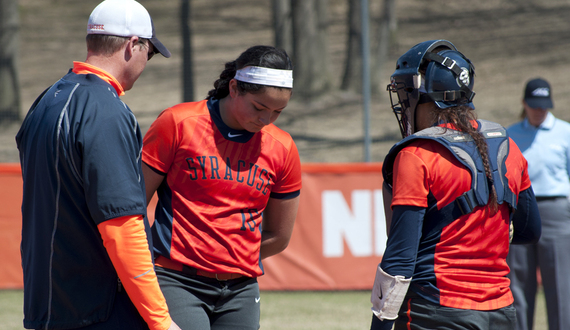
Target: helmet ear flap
[[449, 79]]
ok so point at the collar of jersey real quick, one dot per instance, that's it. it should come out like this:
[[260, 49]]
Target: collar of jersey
[[85, 68], [241, 136]]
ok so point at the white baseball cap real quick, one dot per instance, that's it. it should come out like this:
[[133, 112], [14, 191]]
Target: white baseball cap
[[124, 18]]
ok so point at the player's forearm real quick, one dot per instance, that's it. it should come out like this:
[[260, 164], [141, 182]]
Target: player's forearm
[[127, 246], [272, 244], [526, 219], [278, 222], [402, 246]]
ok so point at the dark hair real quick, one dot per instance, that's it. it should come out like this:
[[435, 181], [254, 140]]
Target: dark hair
[[262, 56], [461, 117]]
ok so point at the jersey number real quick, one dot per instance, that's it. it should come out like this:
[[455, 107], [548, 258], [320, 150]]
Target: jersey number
[[247, 216]]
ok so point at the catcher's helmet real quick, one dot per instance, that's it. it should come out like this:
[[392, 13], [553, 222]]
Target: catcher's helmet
[[430, 71]]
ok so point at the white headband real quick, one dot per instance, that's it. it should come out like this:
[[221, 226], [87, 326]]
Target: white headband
[[265, 76]]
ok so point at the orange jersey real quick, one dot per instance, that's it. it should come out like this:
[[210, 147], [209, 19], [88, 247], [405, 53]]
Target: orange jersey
[[457, 268], [217, 184]]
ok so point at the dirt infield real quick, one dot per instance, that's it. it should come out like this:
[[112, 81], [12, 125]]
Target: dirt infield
[[508, 41]]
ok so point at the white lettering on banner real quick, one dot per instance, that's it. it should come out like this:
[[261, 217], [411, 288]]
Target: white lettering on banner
[[380, 235], [355, 227]]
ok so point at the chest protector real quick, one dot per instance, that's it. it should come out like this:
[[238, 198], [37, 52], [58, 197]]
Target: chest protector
[[463, 147]]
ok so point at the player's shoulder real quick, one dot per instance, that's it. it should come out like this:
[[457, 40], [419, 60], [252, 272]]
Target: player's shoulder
[[279, 135], [185, 110], [429, 151], [514, 150], [424, 146]]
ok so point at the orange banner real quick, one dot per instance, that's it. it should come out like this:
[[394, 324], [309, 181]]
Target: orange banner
[[338, 239], [339, 235], [10, 226]]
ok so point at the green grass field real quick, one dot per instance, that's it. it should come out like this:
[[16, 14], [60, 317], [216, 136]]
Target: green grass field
[[343, 310]]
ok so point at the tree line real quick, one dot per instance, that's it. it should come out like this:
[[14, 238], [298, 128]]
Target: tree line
[[300, 28]]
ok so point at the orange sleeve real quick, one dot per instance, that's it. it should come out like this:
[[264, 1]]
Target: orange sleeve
[[127, 246], [290, 177], [159, 142], [410, 180]]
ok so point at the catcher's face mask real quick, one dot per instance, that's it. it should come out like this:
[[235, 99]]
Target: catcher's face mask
[[408, 97]]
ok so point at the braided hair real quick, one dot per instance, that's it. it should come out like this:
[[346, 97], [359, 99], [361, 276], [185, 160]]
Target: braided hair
[[461, 117], [262, 56]]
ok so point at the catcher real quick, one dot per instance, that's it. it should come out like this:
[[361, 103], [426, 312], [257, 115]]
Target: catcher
[[456, 183]]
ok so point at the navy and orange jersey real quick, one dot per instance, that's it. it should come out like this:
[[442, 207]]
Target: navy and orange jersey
[[218, 182], [464, 264], [80, 151]]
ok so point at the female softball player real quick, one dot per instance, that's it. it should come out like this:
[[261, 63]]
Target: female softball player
[[456, 184], [228, 184]]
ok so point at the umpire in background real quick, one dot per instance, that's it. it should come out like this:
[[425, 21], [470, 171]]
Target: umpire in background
[[545, 142], [85, 249]]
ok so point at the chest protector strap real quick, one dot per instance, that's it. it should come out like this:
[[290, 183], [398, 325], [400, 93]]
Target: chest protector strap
[[463, 147]]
